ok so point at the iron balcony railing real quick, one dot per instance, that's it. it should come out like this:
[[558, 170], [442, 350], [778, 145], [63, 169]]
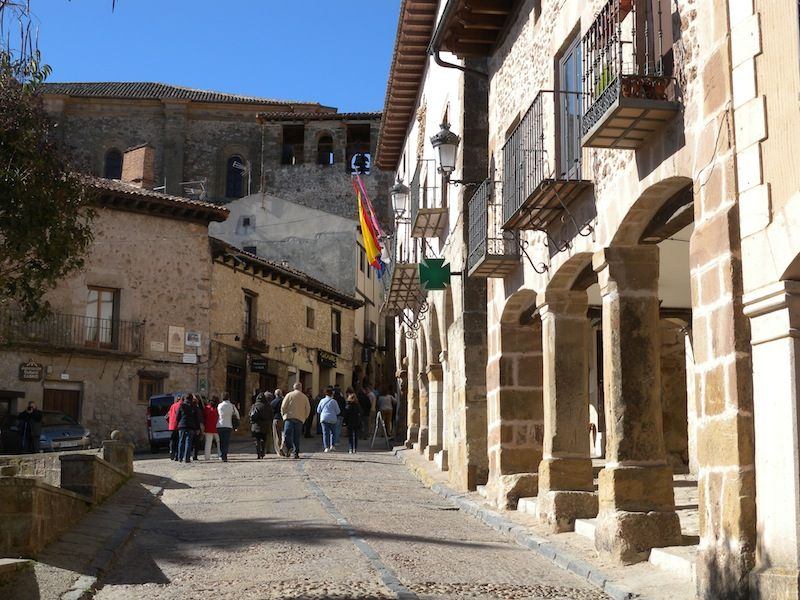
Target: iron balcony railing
[[71, 332], [486, 238], [255, 333], [529, 154], [623, 55]]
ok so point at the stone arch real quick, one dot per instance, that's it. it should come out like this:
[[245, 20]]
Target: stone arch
[[514, 400], [324, 142], [223, 155], [571, 274]]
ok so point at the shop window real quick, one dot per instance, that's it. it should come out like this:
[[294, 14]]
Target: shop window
[[234, 177], [112, 164], [325, 150]]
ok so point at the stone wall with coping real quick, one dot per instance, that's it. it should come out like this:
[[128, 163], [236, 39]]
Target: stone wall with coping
[[91, 476], [45, 466]]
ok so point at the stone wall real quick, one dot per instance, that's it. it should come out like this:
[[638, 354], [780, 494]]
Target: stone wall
[[45, 466], [91, 476]]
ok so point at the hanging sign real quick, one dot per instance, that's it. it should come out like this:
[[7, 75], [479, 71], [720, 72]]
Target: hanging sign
[[326, 360], [31, 371], [434, 274]]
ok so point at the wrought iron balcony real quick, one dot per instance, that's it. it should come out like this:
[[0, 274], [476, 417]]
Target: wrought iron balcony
[[428, 214], [492, 251], [402, 289], [72, 332], [538, 185], [629, 93], [254, 337]]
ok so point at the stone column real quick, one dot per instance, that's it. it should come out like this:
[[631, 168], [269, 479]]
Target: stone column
[[566, 488], [435, 410], [636, 499], [774, 312], [422, 437], [412, 396]]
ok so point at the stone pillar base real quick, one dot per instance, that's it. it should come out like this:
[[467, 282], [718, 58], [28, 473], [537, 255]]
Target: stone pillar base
[[422, 439], [569, 474], [559, 509], [722, 571], [775, 583], [506, 490], [628, 537], [430, 451], [411, 436], [441, 460]]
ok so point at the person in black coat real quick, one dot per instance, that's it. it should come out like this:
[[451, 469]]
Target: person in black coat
[[261, 416], [199, 438], [30, 428], [353, 419], [188, 424]]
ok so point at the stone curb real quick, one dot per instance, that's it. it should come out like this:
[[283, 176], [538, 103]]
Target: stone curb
[[522, 536], [85, 586]]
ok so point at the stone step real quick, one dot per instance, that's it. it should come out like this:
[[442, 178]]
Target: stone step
[[586, 527], [679, 560], [481, 489], [527, 505]]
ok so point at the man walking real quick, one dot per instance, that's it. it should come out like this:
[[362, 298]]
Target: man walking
[[227, 411], [188, 424], [261, 423], [30, 428], [294, 410]]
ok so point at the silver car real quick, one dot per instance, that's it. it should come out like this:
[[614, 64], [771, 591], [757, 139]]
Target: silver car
[[62, 432]]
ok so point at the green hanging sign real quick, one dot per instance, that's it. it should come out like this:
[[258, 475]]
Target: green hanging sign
[[434, 274]]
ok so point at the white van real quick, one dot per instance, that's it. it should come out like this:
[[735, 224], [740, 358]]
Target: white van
[[158, 432]]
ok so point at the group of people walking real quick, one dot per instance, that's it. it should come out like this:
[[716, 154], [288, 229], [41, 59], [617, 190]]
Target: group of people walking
[[278, 421]]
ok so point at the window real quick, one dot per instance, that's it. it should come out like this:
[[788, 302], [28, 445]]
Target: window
[[293, 141], [112, 164], [570, 110], [371, 332], [245, 221], [235, 170], [309, 317], [251, 249], [250, 313], [101, 316], [359, 159], [325, 150], [149, 386], [361, 259], [369, 272], [336, 331]]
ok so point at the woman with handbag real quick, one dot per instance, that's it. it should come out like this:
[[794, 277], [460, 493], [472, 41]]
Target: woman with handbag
[[228, 421]]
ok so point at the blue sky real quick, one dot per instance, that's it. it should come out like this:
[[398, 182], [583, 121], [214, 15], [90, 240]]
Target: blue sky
[[336, 52]]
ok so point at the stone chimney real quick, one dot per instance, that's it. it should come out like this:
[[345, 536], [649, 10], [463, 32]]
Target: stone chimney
[[139, 166]]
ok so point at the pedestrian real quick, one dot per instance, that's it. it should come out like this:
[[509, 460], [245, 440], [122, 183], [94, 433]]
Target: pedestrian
[[386, 406], [294, 410], [172, 425], [277, 422], [187, 426], [329, 413], [261, 423], [352, 418], [199, 437], [339, 397], [363, 402], [30, 428], [373, 405], [210, 416], [228, 413]]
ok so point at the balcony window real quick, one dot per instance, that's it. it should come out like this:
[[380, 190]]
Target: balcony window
[[336, 331], [570, 110], [492, 251], [101, 312], [627, 74], [428, 213], [250, 300]]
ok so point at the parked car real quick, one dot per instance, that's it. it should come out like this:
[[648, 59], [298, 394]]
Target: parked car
[[62, 432], [158, 432]]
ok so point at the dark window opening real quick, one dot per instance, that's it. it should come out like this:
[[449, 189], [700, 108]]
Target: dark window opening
[[293, 140], [359, 159], [149, 386], [235, 170], [251, 249], [325, 150], [112, 165], [249, 313], [336, 331], [310, 317]]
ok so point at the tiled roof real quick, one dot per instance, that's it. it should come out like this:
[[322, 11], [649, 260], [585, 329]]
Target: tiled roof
[[320, 116], [293, 276], [145, 90], [131, 197]]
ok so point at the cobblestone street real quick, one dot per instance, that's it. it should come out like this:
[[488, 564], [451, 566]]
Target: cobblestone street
[[326, 526]]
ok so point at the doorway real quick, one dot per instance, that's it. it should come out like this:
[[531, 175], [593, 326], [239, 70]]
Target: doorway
[[65, 401]]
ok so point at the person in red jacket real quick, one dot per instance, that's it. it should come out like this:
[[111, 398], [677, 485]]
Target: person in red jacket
[[172, 425], [210, 416]]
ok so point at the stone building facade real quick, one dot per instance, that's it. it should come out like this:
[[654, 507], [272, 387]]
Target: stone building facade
[[106, 346], [637, 235], [281, 166], [272, 326]]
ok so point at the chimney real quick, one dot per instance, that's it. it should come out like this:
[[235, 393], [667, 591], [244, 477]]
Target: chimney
[[138, 166]]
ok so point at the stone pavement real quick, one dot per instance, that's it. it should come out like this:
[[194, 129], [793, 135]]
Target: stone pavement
[[326, 526]]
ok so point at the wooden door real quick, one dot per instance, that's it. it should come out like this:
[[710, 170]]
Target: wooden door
[[66, 401]]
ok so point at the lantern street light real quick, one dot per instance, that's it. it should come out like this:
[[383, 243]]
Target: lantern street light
[[445, 142], [399, 193]]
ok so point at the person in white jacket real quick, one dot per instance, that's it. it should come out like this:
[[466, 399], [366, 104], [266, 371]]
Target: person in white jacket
[[226, 411]]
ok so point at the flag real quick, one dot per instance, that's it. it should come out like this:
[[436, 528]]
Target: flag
[[370, 229]]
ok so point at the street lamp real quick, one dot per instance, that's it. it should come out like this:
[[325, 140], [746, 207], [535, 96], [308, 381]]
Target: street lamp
[[445, 142], [399, 194]]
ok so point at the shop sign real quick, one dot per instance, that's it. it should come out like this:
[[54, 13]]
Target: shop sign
[[326, 360], [31, 371], [258, 364]]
